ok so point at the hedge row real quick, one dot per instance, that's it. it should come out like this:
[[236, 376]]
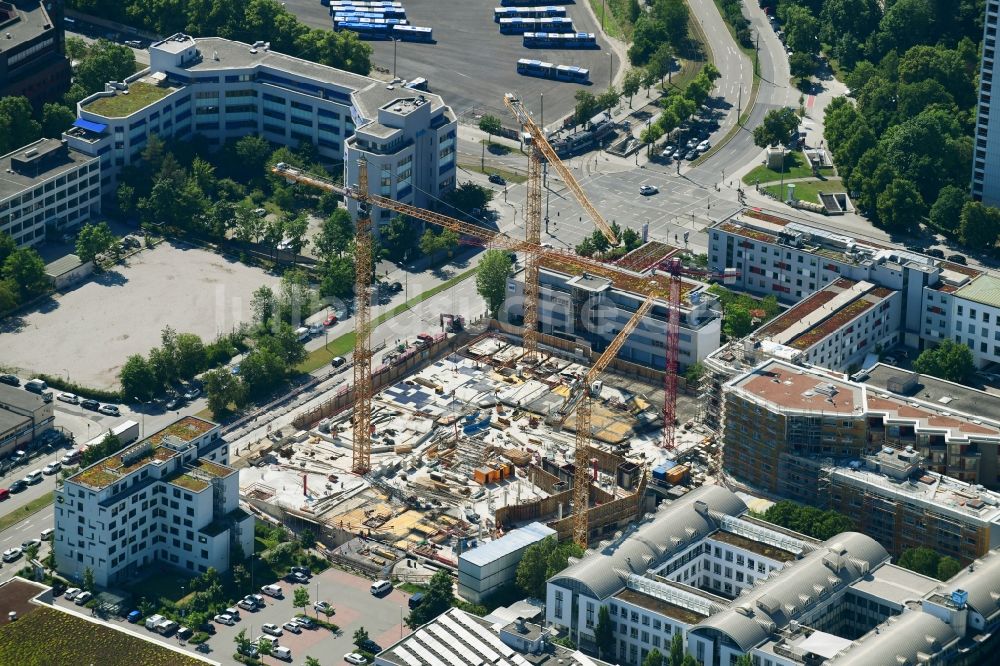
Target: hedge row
[[60, 384]]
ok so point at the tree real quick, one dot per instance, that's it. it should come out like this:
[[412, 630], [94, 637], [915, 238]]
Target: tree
[[7, 247], [801, 64], [979, 226], [662, 61], [27, 270], [469, 196], [253, 154], [558, 559], [242, 642], [654, 658], [76, 48], [56, 118], [105, 61], [586, 107], [744, 660], [137, 379], [240, 576], [360, 637], [777, 127], [609, 98], [335, 233], [31, 552], [263, 304], [631, 83], [400, 238], [190, 355], [17, 124], [801, 28], [88, 579], [222, 389], [300, 598], [676, 650], [431, 243], [337, 278], [261, 372], [604, 634], [900, 206], [922, 560], [312, 661], [950, 360], [294, 296], [437, 599], [737, 322], [491, 279], [693, 373], [491, 125], [307, 539], [946, 213], [947, 568], [94, 239]]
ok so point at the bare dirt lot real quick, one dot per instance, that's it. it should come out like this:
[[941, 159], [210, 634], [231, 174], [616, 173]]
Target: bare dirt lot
[[87, 333]]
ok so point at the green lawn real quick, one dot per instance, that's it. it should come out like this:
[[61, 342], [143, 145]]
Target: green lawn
[[140, 95], [795, 167], [16, 516], [345, 343], [611, 25], [808, 190], [171, 585]]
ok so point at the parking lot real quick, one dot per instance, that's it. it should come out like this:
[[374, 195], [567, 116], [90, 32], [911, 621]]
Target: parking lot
[[87, 333], [472, 65], [355, 607]]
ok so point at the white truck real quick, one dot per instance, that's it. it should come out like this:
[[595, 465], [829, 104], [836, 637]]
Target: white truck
[[154, 621], [126, 432]]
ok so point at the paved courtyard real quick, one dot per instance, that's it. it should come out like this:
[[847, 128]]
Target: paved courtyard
[[87, 333]]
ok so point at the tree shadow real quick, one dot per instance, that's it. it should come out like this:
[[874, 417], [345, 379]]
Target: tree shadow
[[111, 278]]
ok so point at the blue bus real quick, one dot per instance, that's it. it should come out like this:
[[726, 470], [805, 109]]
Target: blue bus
[[412, 33], [518, 3], [367, 18], [367, 30], [373, 12], [519, 26], [560, 40], [527, 12], [547, 70], [364, 5]]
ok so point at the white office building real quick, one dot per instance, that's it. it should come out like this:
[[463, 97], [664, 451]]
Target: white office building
[[219, 90], [47, 187], [486, 569], [591, 309], [731, 585], [168, 499], [986, 158]]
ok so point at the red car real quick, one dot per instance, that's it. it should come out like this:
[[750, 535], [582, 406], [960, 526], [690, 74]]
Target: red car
[[330, 320]]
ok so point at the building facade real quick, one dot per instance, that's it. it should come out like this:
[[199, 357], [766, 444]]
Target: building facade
[[791, 601], [23, 417], [489, 567], [592, 309], [47, 187], [220, 90], [32, 60], [986, 157], [170, 499], [934, 299]]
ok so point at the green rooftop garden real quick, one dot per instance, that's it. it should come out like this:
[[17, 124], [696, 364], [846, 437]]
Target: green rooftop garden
[[140, 95], [189, 482]]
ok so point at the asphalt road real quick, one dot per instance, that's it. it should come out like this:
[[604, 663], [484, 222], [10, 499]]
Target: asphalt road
[[472, 65]]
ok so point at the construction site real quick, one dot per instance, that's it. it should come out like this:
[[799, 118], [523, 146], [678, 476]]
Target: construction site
[[465, 449]]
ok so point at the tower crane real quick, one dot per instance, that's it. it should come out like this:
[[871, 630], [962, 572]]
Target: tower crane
[[538, 148]]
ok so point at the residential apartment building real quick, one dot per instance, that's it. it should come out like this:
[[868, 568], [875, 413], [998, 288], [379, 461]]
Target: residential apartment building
[[936, 299], [591, 309], [23, 417], [168, 499], [731, 585], [32, 60], [47, 187], [910, 472], [219, 90], [986, 157]]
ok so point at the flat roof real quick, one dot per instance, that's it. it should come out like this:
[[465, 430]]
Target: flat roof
[[985, 289], [140, 94], [649, 602], [753, 546], [10, 420], [14, 183], [63, 265], [19, 398], [509, 543], [30, 20], [896, 584], [796, 388]]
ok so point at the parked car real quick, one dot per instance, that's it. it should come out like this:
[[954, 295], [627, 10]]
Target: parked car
[[10, 380], [258, 599], [71, 593], [281, 652], [52, 468], [647, 190], [31, 542], [934, 252], [293, 627], [225, 618], [83, 598], [33, 477], [415, 600], [18, 486], [330, 320], [302, 570], [958, 259], [134, 617], [368, 645], [297, 577], [338, 361], [381, 587], [90, 404], [272, 591], [109, 410], [192, 393], [247, 604], [68, 397], [704, 146], [355, 658], [396, 287], [322, 606], [305, 622], [46, 534], [497, 179], [175, 402], [692, 155], [271, 628], [11, 554]]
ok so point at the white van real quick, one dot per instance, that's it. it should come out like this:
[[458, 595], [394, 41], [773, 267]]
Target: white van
[[302, 333], [380, 587], [281, 652]]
